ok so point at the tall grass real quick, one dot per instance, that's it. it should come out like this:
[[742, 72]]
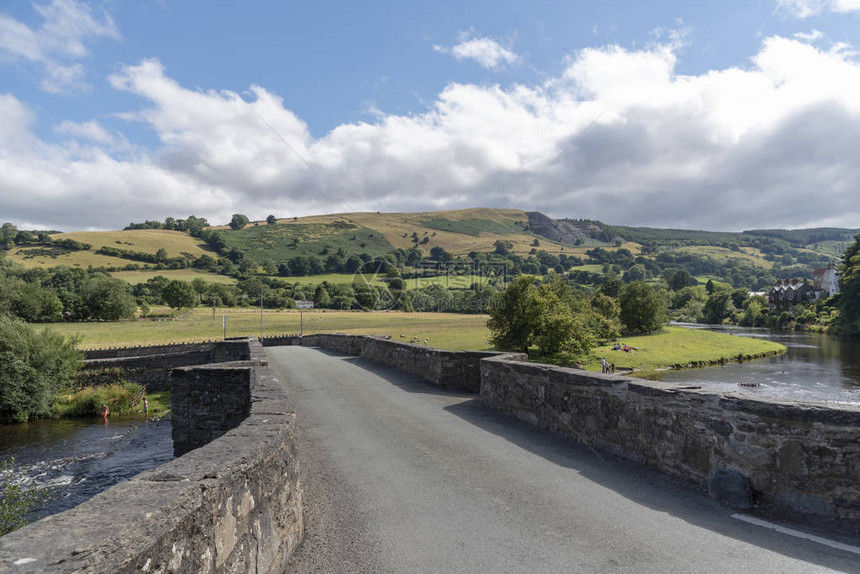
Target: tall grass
[[121, 399]]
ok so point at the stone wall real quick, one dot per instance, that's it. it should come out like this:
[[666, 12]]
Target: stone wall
[[151, 366], [800, 457], [456, 370], [232, 505]]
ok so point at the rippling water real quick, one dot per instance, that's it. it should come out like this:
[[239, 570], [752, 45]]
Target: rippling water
[[71, 460], [816, 368]]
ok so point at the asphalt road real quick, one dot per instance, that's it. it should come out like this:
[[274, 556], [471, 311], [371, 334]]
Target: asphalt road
[[399, 476]]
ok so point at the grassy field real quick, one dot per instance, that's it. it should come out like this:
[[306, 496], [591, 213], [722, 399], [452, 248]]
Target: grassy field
[[680, 347], [40, 256], [444, 330], [673, 346], [135, 277], [146, 240], [747, 254]]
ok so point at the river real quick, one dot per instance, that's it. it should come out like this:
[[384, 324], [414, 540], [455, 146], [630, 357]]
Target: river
[[72, 460], [816, 367]]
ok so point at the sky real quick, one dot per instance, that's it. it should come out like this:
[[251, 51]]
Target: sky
[[729, 115]]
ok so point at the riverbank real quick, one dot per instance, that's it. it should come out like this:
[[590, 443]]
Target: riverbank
[[122, 399], [674, 348]]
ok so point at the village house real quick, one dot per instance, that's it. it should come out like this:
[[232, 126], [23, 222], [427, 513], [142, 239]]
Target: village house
[[826, 280], [785, 294]]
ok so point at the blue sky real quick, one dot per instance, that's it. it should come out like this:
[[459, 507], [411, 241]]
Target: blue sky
[[706, 115]]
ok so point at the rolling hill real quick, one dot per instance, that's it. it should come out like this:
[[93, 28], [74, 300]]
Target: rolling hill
[[459, 232]]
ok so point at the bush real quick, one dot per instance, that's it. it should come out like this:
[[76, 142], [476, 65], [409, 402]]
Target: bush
[[15, 502], [35, 366]]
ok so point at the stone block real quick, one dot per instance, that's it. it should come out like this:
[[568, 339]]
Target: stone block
[[730, 487]]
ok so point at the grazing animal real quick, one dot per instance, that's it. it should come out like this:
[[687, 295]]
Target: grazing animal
[[426, 341]]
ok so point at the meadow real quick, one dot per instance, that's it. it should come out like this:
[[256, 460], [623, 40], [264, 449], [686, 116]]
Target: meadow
[[672, 346]]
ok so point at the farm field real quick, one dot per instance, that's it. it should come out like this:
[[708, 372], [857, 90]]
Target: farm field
[[41, 256], [444, 330], [146, 240], [747, 254]]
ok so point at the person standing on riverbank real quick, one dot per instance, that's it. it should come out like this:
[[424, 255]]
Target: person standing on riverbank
[[145, 408]]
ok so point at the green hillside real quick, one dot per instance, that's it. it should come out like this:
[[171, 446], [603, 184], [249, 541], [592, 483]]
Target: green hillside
[[533, 243]]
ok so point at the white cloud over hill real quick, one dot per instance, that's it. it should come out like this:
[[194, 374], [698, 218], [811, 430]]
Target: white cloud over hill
[[770, 144]]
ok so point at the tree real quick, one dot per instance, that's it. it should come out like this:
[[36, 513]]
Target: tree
[[238, 221], [563, 320], [108, 299], [439, 254], [718, 307], [513, 316], [299, 266], [178, 294], [271, 220], [849, 289], [34, 367], [502, 247], [643, 310]]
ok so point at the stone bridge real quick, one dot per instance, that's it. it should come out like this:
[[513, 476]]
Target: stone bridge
[[232, 499]]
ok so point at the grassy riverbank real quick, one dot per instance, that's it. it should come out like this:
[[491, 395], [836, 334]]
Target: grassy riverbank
[[121, 398], [678, 347]]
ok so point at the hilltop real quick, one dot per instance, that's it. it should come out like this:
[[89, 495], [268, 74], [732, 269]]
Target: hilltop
[[142, 250]]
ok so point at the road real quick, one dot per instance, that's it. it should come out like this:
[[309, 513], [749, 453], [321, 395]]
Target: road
[[399, 476]]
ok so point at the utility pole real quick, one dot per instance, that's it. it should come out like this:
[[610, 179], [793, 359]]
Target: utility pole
[[261, 313], [224, 323], [301, 322]]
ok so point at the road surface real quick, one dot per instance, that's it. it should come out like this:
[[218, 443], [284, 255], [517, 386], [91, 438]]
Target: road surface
[[399, 476]]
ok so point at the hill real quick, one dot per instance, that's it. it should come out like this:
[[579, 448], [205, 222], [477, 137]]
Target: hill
[[745, 258]]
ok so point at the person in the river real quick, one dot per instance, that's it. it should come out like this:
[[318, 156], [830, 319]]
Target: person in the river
[[105, 412]]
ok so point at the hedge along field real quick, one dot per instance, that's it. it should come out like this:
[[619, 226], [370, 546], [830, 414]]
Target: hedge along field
[[136, 277], [444, 330]]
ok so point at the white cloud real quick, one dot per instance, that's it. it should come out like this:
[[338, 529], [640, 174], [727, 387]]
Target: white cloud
[[769, 145], [59, 44], [808, 8], [92, 131], [486, 52]]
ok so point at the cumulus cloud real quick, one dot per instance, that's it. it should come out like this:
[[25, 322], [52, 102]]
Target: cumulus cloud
[[486, 52], [808, 8], [768, 145], [59, 44]]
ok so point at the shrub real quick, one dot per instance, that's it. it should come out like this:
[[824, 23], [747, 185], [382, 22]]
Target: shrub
[[34, 367], [15, 502]]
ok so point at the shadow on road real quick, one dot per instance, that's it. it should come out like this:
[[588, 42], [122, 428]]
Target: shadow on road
[[640, 484]]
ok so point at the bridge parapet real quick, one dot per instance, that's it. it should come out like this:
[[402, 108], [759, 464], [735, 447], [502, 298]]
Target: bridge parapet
[[231, 505]]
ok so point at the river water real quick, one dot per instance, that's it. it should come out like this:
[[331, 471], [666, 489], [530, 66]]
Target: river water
[[816, 367], [71, 460]]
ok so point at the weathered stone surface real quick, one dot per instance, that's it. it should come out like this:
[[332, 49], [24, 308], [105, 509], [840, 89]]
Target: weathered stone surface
[[232, 505], [151, 366], [730, 487], [802, 457]]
